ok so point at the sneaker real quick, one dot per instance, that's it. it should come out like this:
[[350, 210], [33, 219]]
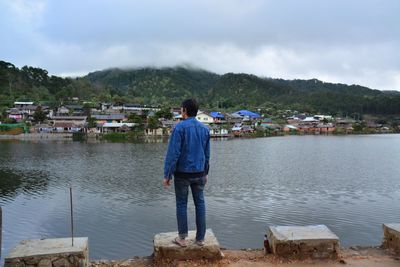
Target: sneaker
[[180, 242], [200, 243]]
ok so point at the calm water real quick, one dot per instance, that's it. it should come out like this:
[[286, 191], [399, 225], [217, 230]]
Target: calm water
[[350, 183]]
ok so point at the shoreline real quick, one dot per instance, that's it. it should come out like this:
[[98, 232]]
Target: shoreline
[[353, 256], [148, 139]]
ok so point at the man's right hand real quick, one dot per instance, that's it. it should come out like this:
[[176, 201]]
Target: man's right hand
[[206, 179]]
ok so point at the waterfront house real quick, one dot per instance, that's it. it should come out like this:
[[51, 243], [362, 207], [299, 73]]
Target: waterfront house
[[218, 117], [42, 128], [290, 128], [240, 129], [66, 127], [67, 123], [204, 117], [218, 131], [326, 127], [167, 126], [115, 127], [155, 132], [267, 123]]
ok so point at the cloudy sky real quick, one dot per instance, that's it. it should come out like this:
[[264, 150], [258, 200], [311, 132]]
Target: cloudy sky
[[348, 41]]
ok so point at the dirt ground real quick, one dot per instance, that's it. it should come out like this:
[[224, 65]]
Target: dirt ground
[[354, 257]]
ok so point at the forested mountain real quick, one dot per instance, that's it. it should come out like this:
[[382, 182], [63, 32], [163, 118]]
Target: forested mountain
[[169, 86]]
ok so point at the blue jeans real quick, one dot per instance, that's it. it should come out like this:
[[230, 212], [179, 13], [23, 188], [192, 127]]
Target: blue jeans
[[181, 194]]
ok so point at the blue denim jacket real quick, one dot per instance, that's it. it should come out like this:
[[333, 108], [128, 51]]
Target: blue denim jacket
[[188, 149]]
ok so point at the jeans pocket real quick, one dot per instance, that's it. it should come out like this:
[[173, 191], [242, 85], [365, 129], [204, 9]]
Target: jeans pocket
[[203, 180]]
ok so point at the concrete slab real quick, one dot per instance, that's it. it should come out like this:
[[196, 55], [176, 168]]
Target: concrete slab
[[315, 241], [391, 236], [56, 252], [164, 248]]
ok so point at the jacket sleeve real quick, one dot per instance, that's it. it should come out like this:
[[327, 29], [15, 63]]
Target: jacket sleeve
[[207, 155], [173, 153]]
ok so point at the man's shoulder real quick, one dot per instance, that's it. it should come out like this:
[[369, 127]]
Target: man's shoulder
[[190, 123], [203, 126]]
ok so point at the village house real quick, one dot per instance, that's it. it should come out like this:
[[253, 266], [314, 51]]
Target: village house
[[178, 117], [239, 129], [21, 104], [204, 117], [218, 117], [111, 123], [24, 111], [104, 106], [67, 124], [108, 118], [326, 128], [41, 128], [115, 127], [70, 110], [323, 117], [135, 107], [218, 131], [247, 115], [290, 128], [232, 119], [16, 114], [155, 132]]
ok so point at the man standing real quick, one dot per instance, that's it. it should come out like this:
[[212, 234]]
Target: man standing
[[187, 160]]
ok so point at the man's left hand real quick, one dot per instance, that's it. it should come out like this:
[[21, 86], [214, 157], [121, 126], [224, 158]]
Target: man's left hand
[[166, 182]]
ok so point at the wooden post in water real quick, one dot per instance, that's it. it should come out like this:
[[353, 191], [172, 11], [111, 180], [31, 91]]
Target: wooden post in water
[[1, 227], [72, 216]]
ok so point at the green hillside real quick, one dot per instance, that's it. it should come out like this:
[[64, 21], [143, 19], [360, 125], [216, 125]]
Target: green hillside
[[169, 86]]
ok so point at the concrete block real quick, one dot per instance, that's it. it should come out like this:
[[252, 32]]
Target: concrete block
[[164, 248], [315, 241], [57, 252], [391, 236]]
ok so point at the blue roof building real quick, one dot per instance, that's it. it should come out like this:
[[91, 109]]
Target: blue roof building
[[217, 115], [247, 113]]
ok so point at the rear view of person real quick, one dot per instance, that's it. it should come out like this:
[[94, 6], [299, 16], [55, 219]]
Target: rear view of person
[[187, 159]]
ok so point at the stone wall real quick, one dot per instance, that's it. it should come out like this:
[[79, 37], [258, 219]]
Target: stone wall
[[57, 252]]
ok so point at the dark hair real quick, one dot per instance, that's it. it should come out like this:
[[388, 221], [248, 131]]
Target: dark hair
[[191, 107]]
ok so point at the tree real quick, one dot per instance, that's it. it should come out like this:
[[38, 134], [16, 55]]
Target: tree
[[153, 123], [39, 116], [91, 122], [137, 120], [164, 113]]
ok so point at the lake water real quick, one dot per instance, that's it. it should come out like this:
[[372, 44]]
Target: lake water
[[350, 183]]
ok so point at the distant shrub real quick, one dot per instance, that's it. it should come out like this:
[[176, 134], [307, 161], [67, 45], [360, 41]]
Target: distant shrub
[[79, 136], [11, 131], [123, 137], [115, 137]]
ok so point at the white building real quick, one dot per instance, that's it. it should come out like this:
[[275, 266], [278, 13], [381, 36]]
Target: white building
[[204, 118]]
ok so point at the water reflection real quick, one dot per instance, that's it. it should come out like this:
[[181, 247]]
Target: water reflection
[[13, 183]]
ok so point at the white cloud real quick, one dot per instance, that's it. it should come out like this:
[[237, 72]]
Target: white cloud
[[282, 39]]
